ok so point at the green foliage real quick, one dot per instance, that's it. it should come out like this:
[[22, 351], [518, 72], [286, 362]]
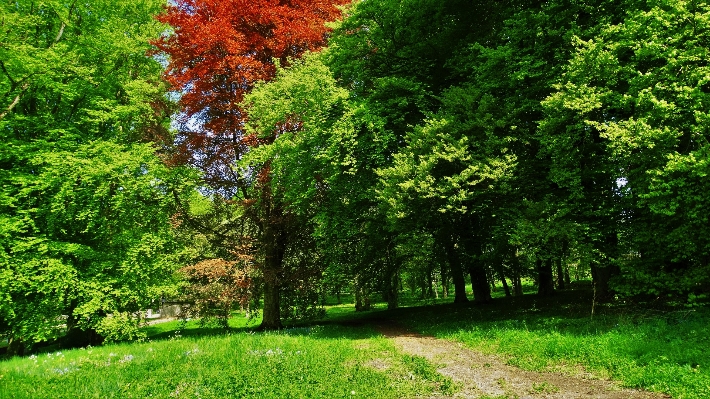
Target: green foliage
[[121, 326], [634, 97], [96, 239], [83, 212], [316, 132], [448, 163]]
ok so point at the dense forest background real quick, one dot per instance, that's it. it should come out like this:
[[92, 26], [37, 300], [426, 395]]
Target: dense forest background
[[263, 154]]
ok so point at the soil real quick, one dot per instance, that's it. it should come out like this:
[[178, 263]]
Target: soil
[[481, 375]]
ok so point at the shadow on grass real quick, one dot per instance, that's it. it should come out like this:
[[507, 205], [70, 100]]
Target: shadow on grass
[[569, 312]]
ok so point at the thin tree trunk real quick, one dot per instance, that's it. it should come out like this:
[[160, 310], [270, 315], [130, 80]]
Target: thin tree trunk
[[434, 288], [505, 286], [517, 281], [456, 273], [444, 281], [560, 273], [392, 290]]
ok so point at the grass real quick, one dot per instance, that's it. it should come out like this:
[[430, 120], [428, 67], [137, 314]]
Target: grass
[[307, 362], [659, 350], [342, 357]]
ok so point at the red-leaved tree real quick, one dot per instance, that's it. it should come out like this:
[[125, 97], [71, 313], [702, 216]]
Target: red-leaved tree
[[214, 286], [216, 53]]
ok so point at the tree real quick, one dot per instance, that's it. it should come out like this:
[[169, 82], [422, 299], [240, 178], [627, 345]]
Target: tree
[[216, 53], [214, 286], [83, 208], [317, 168], [511, 70], [638, 92], [396, 59]]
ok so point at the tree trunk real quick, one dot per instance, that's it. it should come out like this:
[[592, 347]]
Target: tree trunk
[[459, 286], [362, 299], [444, 281], [517, 281], [456, 273], [546, 285], [434, 288], [274, 241], [272, 306], [15, 347], [392, 290], [479, 284], [560, 273], [602, 273], [505, 286], [429, 285], [600, 281]]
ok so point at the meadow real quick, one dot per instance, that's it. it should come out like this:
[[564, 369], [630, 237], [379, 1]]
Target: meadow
[[646, 346], [305, 362], [343, 356]]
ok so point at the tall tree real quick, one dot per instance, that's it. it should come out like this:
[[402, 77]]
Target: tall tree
[[216, 53], [396, 57], [83, 208], [634, 99]]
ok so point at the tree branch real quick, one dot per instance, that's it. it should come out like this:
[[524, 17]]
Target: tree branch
[[64, 25], [15, 101], [13, 83]]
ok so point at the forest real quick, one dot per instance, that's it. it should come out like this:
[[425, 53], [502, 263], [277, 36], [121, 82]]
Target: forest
[[262, 154]]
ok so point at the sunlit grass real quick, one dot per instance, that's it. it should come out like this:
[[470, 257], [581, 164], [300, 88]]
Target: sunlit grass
[[341, 356], [306, 362], [663, 351]]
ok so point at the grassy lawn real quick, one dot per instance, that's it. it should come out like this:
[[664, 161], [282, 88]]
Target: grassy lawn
[[306, 362], [659, 350], [343, 357]]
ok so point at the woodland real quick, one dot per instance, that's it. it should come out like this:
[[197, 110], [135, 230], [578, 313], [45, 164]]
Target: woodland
[[261, 154]]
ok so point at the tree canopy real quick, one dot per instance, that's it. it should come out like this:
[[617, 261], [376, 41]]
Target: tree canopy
[[305, 147], [84, 206]]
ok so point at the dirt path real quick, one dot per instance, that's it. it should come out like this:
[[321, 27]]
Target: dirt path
[[488, 375]]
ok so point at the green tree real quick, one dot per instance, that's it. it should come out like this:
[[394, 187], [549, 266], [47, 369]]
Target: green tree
[[84, 212], [638, 93], [447, 178], [396, 58]]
